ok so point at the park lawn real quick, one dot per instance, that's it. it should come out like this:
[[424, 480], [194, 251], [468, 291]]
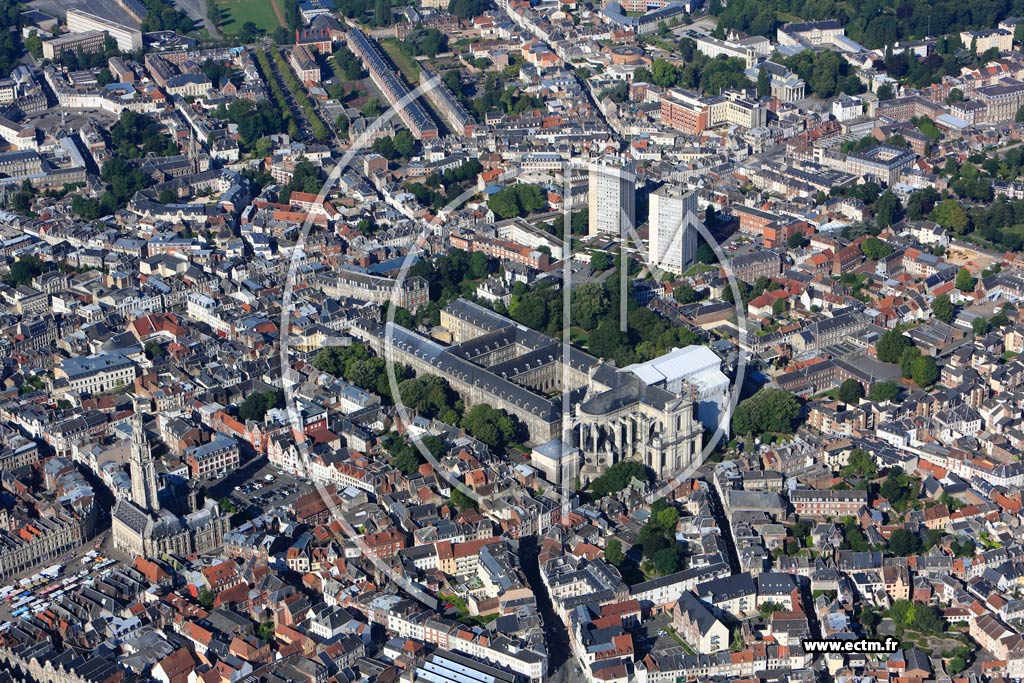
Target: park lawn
[[238, 12], [406, 64]]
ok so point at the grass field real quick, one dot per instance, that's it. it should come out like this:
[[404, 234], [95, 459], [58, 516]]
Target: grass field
[[237, 12], [406, 64]]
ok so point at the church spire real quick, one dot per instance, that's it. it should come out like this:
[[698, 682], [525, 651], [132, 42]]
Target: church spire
[[193, 151], [143, 468]]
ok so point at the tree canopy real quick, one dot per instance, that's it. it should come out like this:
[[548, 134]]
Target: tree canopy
[[891, 345], [769, 410], [520, 200], [617, 477], [493, 426]]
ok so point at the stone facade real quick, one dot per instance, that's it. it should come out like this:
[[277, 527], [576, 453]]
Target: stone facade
[[496, 362]]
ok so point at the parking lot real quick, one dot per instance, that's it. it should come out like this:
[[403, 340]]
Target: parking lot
[[657, 636], [258, 486]]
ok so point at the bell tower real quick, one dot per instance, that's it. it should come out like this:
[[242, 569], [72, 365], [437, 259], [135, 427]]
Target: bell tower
[[143, 468]]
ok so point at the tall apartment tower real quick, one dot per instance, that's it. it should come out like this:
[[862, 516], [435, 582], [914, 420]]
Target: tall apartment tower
[[673, 239], [612, 196]]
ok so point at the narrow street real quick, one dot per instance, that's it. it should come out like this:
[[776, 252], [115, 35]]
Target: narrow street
[[561, 663], [723, 524]]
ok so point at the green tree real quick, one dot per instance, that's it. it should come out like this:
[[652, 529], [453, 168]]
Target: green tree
[[206, 598], [668, 560], [601, 261], [884, 391], [903, 543], [853, 537], [875, 249], [153, 350], [924, 371], [851, 391], [461, 501], [492, 426], [24, 270], [265, 631], [965, 281], [663, 73], [408, 460], [951, 216], [769, 410], [943, 309], [589, 305], [888, 209], [965, 549], [891, 345], [618, 476], [898, 488], [385, 147], [764, 82], [256, 405], [907, 359], [517, 200], [613, 552], [479, 265], [404, 144], [860, 464]]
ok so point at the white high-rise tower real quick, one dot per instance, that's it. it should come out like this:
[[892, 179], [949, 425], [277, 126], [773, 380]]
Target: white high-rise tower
[[612, 196], [673, 239]]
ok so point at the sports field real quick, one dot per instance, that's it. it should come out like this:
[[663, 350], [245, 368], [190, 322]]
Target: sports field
[[237, 12]]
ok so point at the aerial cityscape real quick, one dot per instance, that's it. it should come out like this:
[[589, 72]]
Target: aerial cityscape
[[512, 341]]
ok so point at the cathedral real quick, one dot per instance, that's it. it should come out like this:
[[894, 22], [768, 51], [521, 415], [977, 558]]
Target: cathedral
[[141, 526]]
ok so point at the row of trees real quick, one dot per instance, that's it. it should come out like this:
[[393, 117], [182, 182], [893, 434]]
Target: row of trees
[[281, 105], [298, 91], [366, 12], [164, 16], [874, 23]]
